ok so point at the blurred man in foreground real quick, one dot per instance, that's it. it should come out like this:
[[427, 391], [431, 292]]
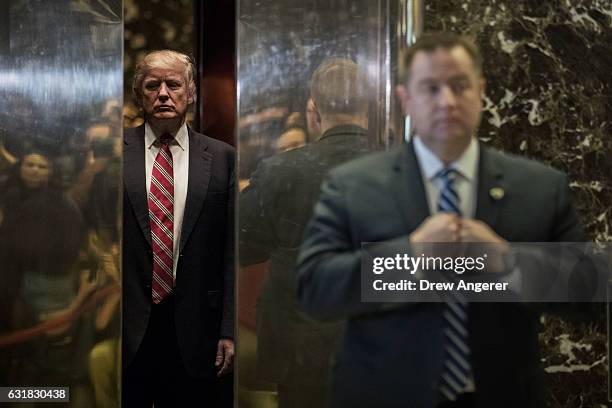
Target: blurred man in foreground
[[444, 186]]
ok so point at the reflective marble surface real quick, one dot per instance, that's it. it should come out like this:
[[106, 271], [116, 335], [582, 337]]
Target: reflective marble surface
[[549, 97]]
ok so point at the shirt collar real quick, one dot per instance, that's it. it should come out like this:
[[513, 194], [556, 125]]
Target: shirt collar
[[466, 165], [181, 139], [346, 129]]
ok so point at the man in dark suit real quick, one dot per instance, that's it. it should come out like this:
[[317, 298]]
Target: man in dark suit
[[293, 351], [443, 186], [178, 243]]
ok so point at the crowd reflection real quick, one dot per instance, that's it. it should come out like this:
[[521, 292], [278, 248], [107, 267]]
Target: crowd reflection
[[59, 254]]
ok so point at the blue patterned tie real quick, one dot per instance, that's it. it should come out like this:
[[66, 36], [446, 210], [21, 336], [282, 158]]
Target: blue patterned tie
[[457, 369]]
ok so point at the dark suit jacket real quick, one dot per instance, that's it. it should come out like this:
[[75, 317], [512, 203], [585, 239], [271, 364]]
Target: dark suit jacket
[[394, 357], [204, 291], [274, 210]]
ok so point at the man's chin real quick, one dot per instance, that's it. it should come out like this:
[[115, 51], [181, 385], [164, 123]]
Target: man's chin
[[165, 115], [452, 133]]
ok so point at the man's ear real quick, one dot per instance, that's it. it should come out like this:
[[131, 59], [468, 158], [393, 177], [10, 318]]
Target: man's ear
[[312, 107], [483, 87], [137, 101], [402, 94]]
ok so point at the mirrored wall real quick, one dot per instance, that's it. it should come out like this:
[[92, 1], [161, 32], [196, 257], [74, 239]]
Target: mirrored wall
[[315, 83], [60, 142]]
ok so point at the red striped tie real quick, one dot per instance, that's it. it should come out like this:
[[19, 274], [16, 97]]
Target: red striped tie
[[161, 218]]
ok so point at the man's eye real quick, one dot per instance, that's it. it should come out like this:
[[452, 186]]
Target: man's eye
[[151, 86], [459, 87], [432, 89], [173, 85]]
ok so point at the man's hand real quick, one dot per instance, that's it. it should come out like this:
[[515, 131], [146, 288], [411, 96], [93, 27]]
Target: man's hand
[[475, 231], [86, 288], [224, 362], [478, 231], [439, 228], [110, 263], [442, 227]]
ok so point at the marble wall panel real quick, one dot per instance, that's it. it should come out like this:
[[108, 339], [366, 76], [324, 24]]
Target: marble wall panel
[[548, 67], [549, 87]]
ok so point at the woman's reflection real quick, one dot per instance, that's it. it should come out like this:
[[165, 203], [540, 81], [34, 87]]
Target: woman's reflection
[[41, 234], [35, 170]]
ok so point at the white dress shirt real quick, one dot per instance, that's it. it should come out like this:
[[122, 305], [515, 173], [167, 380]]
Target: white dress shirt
[[179, 148]]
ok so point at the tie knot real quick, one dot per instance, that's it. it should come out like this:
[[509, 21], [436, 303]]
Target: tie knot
[[448, 175], [165, 139]]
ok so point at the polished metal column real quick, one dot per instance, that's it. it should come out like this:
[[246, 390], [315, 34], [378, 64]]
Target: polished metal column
[[60, 141], [410, 28]]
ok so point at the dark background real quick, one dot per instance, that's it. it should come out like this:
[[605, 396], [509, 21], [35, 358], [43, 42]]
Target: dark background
[[204, 30]]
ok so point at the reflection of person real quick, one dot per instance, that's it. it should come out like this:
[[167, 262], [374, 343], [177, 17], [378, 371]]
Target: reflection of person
[[104, 356], [23, 178], [40, 271], [102, 215], [412, 356], [293, 351], [293, 136], [7, 160], [291, 139], [177, 245], [34, 170], [33, 214], [105, 148]]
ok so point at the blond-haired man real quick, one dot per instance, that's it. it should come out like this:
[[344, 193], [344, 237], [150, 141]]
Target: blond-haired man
[[178, 274]]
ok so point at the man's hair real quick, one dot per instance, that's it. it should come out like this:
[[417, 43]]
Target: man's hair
[[432, 41], [338, 86], [163, 59]]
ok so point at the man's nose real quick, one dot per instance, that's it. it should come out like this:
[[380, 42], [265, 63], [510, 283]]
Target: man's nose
[[163, 94], [447, 97]]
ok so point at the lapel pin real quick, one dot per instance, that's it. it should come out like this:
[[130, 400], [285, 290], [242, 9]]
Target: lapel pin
[[497, 193]]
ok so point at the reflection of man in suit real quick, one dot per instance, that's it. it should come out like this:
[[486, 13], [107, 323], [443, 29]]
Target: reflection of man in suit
[[444, 186], [293, 351], [177, 245]]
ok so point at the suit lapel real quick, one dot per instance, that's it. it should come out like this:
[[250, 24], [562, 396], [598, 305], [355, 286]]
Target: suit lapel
[[200, 162], [408, 188], [491, 188], [135, 178]]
